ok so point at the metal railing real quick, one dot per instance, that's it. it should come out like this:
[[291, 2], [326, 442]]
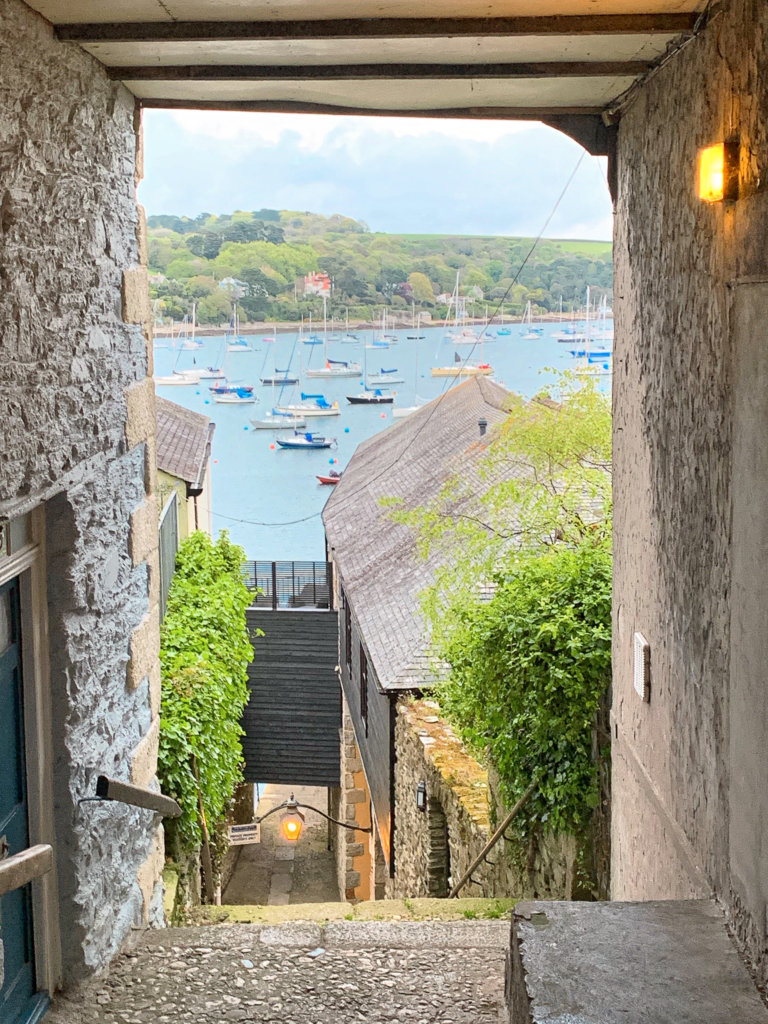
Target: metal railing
[[285, 585]]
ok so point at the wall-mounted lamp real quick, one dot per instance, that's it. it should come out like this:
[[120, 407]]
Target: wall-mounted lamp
[[421, 796], [718, 172]]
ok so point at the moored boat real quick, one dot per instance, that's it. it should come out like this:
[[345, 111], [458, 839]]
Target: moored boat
[[332, 478], [384, 377], [310, 405], [276, 420], [375, 397], [336, 368], [305, 440], [237, 396]]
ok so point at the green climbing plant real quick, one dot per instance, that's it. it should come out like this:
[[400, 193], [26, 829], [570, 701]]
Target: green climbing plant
[[520, 607], [527, 670], [204, 654]]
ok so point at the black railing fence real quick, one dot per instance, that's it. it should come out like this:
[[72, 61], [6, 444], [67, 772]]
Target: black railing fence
[[285, 585]]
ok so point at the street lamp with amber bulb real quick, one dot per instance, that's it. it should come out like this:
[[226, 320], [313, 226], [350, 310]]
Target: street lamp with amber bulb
[[291, 820]]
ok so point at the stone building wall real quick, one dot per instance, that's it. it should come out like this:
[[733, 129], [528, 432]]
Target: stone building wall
[[690, 775], [355, 851], [458, 819], [77, 408]]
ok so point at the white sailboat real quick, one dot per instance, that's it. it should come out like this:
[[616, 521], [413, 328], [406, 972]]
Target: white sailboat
[[334, 368], [189, 342], [235, 341], [531, 333]]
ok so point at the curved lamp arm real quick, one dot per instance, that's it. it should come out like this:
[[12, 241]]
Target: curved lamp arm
[[293, 805]]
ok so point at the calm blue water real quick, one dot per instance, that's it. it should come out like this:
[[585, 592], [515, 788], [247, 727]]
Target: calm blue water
[[259, 491]]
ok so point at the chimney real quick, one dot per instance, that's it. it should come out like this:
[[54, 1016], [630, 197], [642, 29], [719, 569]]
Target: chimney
[[483, 424]]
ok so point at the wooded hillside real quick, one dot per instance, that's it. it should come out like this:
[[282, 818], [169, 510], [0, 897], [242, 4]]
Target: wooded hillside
[[258, 257]]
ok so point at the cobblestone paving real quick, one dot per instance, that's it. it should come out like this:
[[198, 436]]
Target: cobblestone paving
[[346, 973]]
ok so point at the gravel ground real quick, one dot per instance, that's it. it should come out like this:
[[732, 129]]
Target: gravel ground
[[345, 973]]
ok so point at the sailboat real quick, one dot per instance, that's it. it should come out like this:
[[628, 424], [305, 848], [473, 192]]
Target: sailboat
[[178, 378], [306, 440], [235, 342], [416, 322], [462, 333], [311, 339], [333, 367], [347, 337], [398, 411], [531, 333], [280, 377], [371, 395], [190, 344], [594, 365], [461, 368], [310, 405]]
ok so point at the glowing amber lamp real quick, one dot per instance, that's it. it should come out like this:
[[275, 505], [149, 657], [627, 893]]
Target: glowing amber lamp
[[712, 173], [291, 823]]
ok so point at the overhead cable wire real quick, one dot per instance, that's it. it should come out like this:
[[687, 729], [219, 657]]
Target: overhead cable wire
[[450, 380]]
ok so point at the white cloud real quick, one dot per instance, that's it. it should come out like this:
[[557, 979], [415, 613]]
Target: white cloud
[[398, 175], [314, 129]]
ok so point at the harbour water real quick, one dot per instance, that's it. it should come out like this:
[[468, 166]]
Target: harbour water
[[269, 498]]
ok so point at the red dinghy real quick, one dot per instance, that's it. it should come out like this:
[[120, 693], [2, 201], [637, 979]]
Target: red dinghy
[[332, 478]]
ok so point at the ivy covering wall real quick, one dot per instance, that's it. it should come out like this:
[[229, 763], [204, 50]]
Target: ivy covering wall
[[204, 654]]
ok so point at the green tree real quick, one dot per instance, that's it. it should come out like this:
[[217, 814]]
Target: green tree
[[527, 668], [423, 292]]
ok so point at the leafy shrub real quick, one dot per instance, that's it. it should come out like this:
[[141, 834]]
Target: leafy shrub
[[527, 671], [204, 654]]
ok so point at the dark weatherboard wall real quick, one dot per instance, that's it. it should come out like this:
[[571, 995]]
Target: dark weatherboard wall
[[293, 716], [374, 730]]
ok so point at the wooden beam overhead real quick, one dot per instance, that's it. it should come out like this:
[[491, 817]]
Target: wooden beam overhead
[[377, 28], [546, 114], [379, 72]]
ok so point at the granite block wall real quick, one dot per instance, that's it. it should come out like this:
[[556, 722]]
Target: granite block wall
[[690, 776], [77, 414]]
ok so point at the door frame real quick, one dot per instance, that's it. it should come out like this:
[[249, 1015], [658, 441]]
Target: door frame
[[26, 563]]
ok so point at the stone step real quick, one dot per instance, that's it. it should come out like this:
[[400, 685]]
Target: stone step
[[342, 972], [416, 909], [638, 963], [339, 934]]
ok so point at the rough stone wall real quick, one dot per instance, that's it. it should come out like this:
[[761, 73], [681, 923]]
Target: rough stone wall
[[355, 851], [676, 261], [459, 800], [78, 434]]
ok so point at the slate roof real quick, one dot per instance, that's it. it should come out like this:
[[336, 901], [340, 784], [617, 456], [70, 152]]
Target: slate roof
[[380, 569], [183, 442]]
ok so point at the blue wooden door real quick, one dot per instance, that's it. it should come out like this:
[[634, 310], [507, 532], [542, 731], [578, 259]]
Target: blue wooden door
[[18, 999]]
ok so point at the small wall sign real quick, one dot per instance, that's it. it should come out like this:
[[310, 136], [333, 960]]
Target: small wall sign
[[244, 835]]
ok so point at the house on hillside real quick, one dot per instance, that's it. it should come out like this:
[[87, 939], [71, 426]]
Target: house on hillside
[[184, 441], [383, 641]]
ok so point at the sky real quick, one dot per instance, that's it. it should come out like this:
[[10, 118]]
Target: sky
[[399, 175]]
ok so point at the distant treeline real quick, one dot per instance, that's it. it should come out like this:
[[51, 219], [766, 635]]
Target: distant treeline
[[256, 258]]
